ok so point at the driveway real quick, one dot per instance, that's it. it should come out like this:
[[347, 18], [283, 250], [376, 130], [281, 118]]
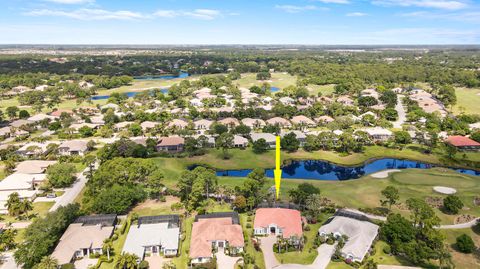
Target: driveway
[[325, 252], [71, 193], [156, 262], [85, 263], [402, 115], [8, 262], [224, 261], [266, 244]]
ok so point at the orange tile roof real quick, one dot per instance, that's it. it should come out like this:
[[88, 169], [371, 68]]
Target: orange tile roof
[[462, 141], [289, 220], [206, 230]]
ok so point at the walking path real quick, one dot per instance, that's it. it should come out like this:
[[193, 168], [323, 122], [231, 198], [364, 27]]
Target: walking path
[[402, 115], [8, 262], [465, 225], [325, 252]]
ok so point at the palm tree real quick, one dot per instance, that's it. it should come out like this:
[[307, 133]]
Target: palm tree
[[127, 261], [107, 246], [25, 206], [47, 262], [13, 204]]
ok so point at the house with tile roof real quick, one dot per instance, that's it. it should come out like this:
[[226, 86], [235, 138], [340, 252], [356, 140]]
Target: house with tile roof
[[283, 222], [215, 232], [463, 143]]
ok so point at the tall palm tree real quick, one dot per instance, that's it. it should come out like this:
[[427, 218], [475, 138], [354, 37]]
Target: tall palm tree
[[107, 246], [127, 261], [13, 204], [25, 206], [47, 262]]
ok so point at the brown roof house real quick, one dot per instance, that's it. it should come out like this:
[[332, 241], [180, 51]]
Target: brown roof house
[[171, 144], [213, 233]]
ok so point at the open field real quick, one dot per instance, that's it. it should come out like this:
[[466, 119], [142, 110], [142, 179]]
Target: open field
[[467, 101], [323, 89], [280, 80]]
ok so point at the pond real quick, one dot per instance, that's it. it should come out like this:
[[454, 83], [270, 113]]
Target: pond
[[129, 95], [323, 170], [162, 77], [274, 89]]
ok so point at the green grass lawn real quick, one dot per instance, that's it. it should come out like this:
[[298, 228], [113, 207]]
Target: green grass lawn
[[324, 89], [467, 101], [462, 260], [117, 246], [248, 233], [41, 208], [280, 80]]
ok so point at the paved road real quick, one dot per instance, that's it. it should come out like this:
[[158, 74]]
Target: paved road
[[325, 252], [8, 262], [71, 193], [461, 225], [402, 115]]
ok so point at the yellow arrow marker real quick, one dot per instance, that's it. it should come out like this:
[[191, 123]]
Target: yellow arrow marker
[[277, 172]]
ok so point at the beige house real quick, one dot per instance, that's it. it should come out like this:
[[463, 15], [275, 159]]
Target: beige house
[[73, 147], [84, 237]]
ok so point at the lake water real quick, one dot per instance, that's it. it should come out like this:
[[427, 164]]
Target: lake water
[[162, 77], [323, 170]]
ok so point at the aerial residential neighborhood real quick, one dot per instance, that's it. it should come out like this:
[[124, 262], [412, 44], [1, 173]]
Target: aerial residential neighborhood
[[327, 134]]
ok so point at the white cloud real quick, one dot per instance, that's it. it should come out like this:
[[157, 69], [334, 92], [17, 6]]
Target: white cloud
[[357, 14], [295, 9], [467, 16], [71, 1], [202, 14], [334, 1], [439, 4], [88, 14]]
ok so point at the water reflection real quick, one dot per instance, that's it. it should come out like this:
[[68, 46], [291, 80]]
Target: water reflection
[[322, 170]]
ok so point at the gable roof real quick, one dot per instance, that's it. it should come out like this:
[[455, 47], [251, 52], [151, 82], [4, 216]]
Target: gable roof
[[78, 236], [288, 219]]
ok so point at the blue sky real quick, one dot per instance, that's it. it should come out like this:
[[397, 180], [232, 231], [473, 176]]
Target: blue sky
[[240, 22]]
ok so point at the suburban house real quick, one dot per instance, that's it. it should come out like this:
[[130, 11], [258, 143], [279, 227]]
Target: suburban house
[[302, 120], [32, 149], [154, 236], [240, 141], [73, 147], [378, 134], [253, 123], [33, 166], [24, 185], [84, 237], [148, 125], [279, 222], [345, 100], [122, 125], [229, 122], [171, 144], [20, 123], [269, 138], [324, 119], [463, 143], [177, 123], [202, 125], [300, 136], [215, 232], [360, 232], [284, 123]]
